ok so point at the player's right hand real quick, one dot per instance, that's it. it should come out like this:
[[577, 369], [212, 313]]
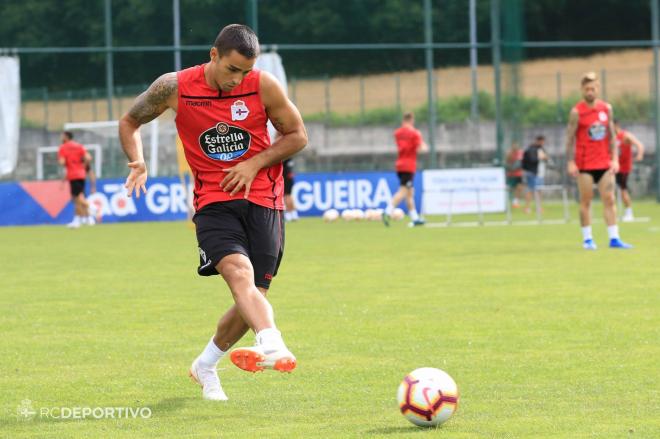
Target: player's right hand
[[572, 168], [137, 178]]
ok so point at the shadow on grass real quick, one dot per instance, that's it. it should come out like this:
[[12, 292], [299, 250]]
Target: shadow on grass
[[170, 404], [400, 430]]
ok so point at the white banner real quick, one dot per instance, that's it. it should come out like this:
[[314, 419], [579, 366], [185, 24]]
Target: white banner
[[10, 113], [458, 191]]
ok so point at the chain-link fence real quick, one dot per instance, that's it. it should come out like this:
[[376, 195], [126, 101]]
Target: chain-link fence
[[516, 90]]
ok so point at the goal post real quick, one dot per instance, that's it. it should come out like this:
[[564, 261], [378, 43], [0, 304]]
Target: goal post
[[47, 164], [106, 133]]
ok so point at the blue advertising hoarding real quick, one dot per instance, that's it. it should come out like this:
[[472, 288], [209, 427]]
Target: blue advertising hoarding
[[49, 202]]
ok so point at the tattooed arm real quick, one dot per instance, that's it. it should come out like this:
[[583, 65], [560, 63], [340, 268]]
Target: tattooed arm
[[293, 137], [160, 96], [571, 129]]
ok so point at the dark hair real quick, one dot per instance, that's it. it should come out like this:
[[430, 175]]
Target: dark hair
[[68, 134], [408, 116], [237, 37], [540, 137]]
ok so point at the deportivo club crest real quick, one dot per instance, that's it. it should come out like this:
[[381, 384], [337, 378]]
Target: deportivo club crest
[[597, 131], [239, 111], [225, 142], [25, 410]]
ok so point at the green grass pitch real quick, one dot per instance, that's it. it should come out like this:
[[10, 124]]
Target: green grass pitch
[[544, 339]]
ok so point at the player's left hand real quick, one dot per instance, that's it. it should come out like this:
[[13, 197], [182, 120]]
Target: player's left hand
[[239, 177], [614, 166]]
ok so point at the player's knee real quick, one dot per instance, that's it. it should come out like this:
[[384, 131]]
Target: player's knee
[[235, 272]]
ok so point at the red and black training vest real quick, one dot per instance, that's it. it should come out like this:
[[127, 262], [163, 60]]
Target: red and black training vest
[[221, 129], [592, 138]]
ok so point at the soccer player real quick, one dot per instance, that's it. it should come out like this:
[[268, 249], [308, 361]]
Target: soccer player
[[408, 141], [625, 141], [514, 173], [222, 109], [291, 214], [75, 159], [592, 157], [533, 157]]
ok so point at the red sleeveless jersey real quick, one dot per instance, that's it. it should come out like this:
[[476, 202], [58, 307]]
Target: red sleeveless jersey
[[625, 153], [408, 140], [73, 154], [221, 129], [592, 139]]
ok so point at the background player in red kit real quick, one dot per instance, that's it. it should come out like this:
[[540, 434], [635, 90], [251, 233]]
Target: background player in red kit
[[592, 157], [222, 109], [75, 159], [408, 141], [625, 142]]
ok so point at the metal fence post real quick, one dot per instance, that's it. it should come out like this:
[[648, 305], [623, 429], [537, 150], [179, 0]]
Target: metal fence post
[[45, 98], [560, 111], [474, 103], [497, 56], [656, 95], [109, 68], [428, 39], [176, 15]]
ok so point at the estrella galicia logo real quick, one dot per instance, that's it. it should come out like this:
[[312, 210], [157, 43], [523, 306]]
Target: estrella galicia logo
[[597, 131], [224, 142]]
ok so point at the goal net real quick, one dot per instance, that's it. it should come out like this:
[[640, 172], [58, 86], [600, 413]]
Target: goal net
[[109, 160]]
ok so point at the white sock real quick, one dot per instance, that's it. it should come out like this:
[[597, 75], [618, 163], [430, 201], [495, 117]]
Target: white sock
[[629, 211], [389, 209], [294, 215], [270, 337], [413, 215], [211, 354], [586, 233], [287, 216], [613, 231]]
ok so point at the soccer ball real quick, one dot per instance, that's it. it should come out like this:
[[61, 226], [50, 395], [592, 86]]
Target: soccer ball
[[398, 214], [348, 215], [330, 215], [427, 397], [371, 215], [358, 214]]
